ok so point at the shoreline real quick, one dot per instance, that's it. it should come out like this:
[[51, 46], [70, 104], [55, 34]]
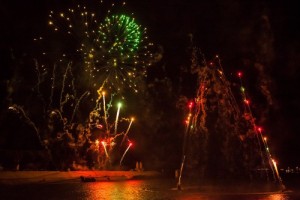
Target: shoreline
[[24, 177]]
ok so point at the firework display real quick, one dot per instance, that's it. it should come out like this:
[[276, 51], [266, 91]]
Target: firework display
[[104, 129], [264, 148], [98, 47], [108, 44], [215, 126]]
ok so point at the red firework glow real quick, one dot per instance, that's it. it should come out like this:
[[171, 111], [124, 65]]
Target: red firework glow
[[240, 74]]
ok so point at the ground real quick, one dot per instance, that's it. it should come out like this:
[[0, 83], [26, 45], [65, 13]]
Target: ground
[[19, 177]]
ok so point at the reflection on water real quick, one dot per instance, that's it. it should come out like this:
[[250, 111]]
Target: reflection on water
[[127, 190], [278, 197], [133, 189], [253, 196], [164, 189], [111, 190]]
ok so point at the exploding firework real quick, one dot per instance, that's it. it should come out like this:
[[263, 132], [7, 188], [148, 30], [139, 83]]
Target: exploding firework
[[108, 130], [112, 48], [120, 34], [215, 116]]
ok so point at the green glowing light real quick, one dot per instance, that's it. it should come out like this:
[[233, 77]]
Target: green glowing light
[[121, 34], [119, 105]]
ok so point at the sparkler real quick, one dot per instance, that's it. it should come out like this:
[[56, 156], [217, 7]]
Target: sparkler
[[130, 144]]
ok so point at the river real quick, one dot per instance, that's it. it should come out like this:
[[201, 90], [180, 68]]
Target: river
[[153, 189]]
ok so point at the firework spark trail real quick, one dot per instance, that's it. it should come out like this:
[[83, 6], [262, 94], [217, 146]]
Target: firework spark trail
[[38, 76], [52, 85], [77, 104], [105, 114], [180, 174], [39, 81], [117, 135], [100, 94], [104, 146], [260, 148], [264, 140], [61, 102], [73, 84], [132, 119], [106, 108], [20, 110], [186, 134], [275, 167], [233, 101], [130, 144], [201, 93], [111, 143], [109, 105], [277, 173], [196, 115], [117, 117], [248, 109], [200, 108]]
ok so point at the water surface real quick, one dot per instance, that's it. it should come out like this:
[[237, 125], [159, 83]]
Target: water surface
[[154, 189]]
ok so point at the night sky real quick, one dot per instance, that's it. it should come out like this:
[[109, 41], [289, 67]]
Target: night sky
[[228, 28]]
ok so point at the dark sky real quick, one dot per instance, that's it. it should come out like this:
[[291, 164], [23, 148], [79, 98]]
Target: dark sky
[[228, 28]]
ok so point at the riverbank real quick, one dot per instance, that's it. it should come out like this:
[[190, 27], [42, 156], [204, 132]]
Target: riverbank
[[24, 177]]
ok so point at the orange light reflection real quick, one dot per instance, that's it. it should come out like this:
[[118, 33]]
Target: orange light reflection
[[129, 189]]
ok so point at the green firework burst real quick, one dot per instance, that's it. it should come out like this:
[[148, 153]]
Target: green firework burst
[[112, 47], [120, 34]]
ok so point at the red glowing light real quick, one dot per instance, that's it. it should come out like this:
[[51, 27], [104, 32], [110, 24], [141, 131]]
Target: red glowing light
[[99, 126], [191, 104], [130, 144], [247, 101], [240, 74], [259, 129]]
